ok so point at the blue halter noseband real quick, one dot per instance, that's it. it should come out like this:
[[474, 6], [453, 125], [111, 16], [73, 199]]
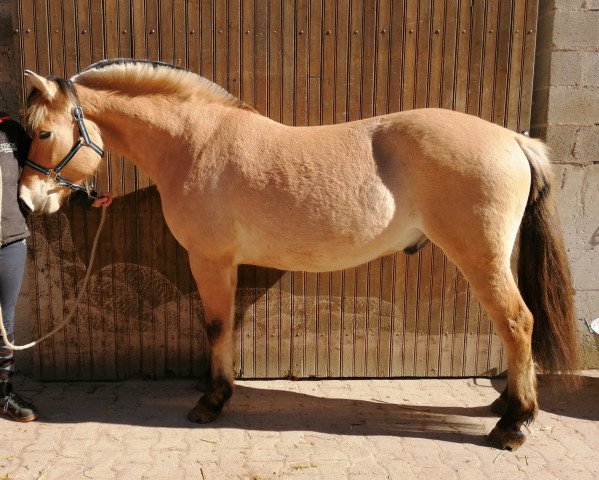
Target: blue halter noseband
[[54, 173]]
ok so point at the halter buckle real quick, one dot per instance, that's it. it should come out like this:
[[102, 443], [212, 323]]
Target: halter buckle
[[53, 174], [78, 113]]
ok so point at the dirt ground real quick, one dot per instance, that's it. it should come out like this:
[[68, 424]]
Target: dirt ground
[[331, 429]]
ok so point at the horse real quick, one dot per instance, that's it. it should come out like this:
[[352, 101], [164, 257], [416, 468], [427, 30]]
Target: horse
[[239, 188]]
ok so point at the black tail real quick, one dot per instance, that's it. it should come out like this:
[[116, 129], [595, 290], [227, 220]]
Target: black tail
[[543, 270]]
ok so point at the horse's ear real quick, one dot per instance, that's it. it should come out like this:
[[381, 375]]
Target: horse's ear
[[47, 88]]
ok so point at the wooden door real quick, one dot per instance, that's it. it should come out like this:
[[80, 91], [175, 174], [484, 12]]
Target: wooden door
[[303, 62]]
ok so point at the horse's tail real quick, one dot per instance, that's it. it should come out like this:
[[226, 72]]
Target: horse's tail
[[543, 271]]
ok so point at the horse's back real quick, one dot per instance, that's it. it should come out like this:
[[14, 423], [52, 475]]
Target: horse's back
[[318, 198]]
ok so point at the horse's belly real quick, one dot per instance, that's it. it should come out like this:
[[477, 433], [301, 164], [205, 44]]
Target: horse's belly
[[333, 254]]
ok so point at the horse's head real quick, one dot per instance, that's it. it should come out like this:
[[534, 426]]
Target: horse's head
[[65, 148]]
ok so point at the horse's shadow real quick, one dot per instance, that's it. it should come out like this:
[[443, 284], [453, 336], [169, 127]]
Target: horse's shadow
[[165, 404]]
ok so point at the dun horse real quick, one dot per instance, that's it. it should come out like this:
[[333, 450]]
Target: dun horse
[[237, 187]]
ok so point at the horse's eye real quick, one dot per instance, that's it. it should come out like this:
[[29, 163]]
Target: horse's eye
[[44, 135]]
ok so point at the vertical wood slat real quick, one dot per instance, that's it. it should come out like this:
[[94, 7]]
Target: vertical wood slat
[[302, 63]]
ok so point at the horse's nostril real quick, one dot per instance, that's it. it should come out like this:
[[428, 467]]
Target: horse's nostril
[[25, 206]]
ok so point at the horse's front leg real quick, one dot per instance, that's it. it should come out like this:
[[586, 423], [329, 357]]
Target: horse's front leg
[[216, 283]]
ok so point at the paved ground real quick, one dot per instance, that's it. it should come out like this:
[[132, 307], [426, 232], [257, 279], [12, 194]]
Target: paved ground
[[400, 429]]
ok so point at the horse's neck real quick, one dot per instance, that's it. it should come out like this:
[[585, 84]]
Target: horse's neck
[[150, 131]]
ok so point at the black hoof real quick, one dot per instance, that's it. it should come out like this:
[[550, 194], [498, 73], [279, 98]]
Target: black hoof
[[510, 440], [205, 411]]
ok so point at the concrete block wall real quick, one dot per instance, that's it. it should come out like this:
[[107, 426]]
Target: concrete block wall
[[566, 114]]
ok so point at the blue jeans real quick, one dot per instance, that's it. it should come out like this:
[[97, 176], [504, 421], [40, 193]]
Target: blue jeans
[[12, 266]]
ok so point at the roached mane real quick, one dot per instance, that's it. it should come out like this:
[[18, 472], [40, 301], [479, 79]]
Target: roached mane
[[147, 77], [137, 77]]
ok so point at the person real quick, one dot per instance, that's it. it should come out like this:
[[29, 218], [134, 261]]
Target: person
[[14, 146]]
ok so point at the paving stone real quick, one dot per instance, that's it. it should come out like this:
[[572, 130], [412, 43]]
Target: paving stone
[[387, 429]]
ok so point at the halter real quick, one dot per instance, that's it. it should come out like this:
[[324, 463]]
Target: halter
[[54, 173]]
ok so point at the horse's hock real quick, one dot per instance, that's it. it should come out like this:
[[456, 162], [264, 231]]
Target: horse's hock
[[396, 316]]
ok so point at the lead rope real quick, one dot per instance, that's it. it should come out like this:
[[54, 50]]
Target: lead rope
[[77, 300]]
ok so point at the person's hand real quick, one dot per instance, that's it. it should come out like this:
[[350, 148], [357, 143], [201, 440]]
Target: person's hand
[[104, 201]]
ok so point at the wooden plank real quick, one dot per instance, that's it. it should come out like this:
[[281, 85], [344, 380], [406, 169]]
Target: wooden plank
[[221, 44], [323, 307], [65, 353], [528, 62], [300, 106], [335, 326], [327, 59], [272, 332], [275, 60], [382, 61], [423, 38], [260, 320], [361, 313], [449, 53], [396, 43], [502, 63], [234, 38], [248, 324], [423, 311], [342, 54], [354, 95], [261, 57], [247, 53], [460, 95], [161, 291], [285, 325], [477, 39], [435, 60], [288, 64], [207, 39], [410, 28], [296, 349], [311, 319], [315, 44], [348, 320], [516, 48], [375, 327], [193, 30], [41, 262], [397, 351], [111, 28], [368, 35], [385, 316], [489, 60]]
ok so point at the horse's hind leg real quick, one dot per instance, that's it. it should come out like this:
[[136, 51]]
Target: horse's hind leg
[[216, 283], [497, 292]]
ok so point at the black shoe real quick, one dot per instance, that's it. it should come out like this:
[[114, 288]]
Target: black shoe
[[21, 409]]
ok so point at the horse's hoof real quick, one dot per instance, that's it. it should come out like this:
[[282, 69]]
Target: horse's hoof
[[204, 411], [510, 440], [499, 406]]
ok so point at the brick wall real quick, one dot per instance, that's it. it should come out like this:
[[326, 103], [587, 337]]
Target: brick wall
[[566, 114]]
